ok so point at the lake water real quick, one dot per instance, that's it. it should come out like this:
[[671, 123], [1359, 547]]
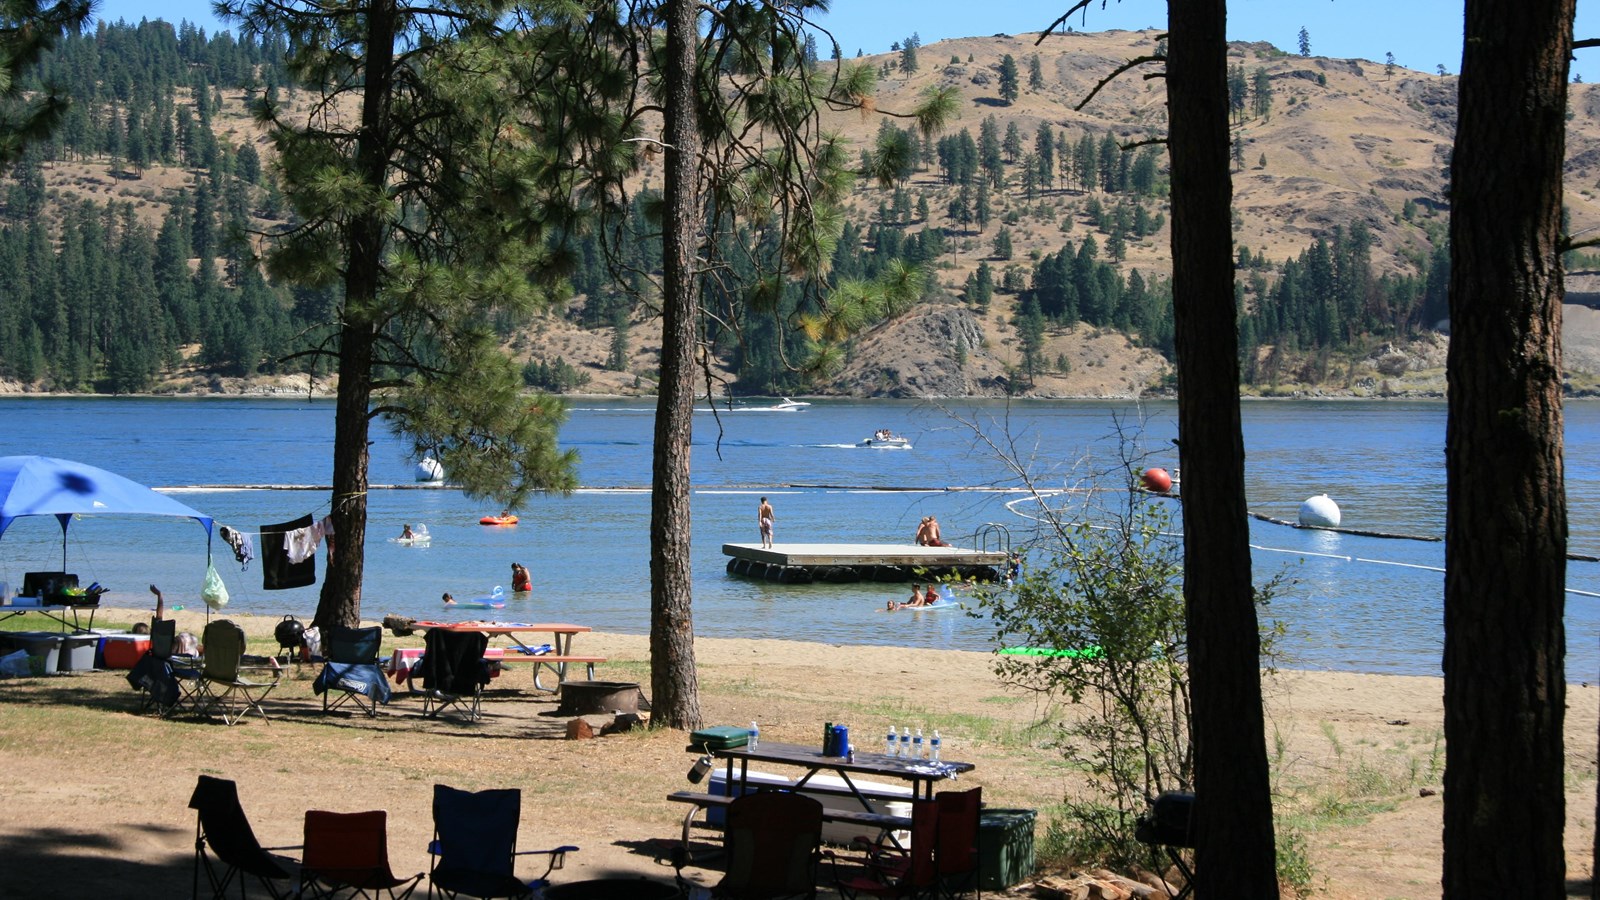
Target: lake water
[[1354, 603]]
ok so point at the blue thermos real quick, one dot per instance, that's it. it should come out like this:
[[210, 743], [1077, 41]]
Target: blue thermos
[[841, 740]]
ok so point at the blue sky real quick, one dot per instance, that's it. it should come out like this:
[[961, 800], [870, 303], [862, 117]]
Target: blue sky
[[1420, 33]]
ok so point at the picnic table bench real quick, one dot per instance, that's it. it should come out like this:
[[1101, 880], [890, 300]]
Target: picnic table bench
[[879, 822]]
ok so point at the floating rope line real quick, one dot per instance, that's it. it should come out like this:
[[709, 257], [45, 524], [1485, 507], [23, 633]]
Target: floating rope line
[[1011, 505]]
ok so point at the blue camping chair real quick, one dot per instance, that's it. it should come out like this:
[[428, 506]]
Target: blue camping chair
[[351, 671], [474, 845]]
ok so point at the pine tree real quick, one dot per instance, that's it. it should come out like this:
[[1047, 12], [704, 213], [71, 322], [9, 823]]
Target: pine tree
[[1305, 41], [617, 358], [1002, 243], [908, 57], [1035, 73], [1008, 79], [1013, 142], [1261, 93]]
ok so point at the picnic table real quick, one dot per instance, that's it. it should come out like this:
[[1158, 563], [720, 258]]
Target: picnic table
[[922, 774], [555, 655]]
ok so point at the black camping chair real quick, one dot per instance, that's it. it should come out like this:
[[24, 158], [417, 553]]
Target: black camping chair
[[352, 671], [225, 846], [167, 681], [454, 671], [474, 846], [1167, 825]]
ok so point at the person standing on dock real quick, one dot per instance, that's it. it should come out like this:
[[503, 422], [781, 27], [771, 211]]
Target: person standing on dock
[[764, 517]]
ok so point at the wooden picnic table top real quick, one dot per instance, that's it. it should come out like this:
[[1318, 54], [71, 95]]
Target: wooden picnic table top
[[914, 770], [505, 627]]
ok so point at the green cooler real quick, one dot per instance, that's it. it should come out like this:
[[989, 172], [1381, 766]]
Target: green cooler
[[1005, 847]]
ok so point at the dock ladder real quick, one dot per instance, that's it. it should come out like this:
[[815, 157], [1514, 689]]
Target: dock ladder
[[1000, 534]]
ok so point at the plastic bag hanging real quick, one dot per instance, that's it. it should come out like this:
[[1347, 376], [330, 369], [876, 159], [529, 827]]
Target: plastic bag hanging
[[214, 593]]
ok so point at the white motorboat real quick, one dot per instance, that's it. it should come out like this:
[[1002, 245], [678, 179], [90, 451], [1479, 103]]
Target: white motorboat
[[790, 405], [884, 439]]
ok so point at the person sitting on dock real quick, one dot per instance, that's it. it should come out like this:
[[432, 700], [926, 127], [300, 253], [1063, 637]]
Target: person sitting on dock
[[922, 532], [934, 538]]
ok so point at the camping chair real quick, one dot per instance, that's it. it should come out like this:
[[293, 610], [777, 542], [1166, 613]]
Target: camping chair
[[955, 854], [352, 670], [221, 686], [350, 852], [774, 841], [892, 871], [474, 846], [453, 671], [942, 860], [166, 680], [226, 848]]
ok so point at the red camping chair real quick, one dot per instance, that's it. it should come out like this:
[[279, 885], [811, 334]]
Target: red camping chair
[[773, 841], [350, 852], [891, 871], [942, 860]]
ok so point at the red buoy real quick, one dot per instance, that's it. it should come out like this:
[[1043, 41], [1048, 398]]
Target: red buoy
[[1156, 480]]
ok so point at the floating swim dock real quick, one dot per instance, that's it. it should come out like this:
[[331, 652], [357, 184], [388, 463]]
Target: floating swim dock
[[843, 563]]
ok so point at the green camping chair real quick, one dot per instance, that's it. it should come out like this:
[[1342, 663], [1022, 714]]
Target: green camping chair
[[222, 688]]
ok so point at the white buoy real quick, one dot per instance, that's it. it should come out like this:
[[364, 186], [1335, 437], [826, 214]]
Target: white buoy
[[1320, 512], [430, 469]]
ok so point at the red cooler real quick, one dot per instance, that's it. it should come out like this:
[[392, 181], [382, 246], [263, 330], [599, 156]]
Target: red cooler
[[121, 651]]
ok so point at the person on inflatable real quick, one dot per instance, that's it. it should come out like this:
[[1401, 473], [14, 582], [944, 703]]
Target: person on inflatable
[[405, 532], [521, 581]]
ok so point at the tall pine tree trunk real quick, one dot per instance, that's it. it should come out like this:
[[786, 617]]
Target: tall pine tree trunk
[[1232, 818], [340, 600], [674, 684], [1506, 519]]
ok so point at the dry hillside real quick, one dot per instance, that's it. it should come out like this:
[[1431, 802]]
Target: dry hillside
[[1345, 140]]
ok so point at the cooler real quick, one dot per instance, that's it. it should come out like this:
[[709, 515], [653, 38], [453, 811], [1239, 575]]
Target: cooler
[[1005, 847], [121, 651], [77, 652], [829, 790]]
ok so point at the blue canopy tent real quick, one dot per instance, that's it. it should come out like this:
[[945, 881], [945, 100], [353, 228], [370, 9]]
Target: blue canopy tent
[[43, 486]]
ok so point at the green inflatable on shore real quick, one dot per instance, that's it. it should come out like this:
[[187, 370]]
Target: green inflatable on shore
[[1090, 652]]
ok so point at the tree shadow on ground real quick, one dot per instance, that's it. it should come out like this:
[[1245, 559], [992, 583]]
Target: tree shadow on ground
[[55, 862]]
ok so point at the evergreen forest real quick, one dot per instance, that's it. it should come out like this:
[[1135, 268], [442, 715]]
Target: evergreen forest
[[111, 296]]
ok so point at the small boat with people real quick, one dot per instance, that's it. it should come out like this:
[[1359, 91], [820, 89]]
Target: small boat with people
[[884, 439]]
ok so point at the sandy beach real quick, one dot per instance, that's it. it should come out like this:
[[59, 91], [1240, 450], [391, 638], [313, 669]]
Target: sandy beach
[[96, 794]]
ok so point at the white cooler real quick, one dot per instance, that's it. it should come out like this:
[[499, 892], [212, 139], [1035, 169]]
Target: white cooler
[[832, 792]]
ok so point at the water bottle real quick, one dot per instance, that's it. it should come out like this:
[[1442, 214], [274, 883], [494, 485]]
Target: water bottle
[[916, 745], [755, 735], [935, 756], [905, 742], [890, 742]]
